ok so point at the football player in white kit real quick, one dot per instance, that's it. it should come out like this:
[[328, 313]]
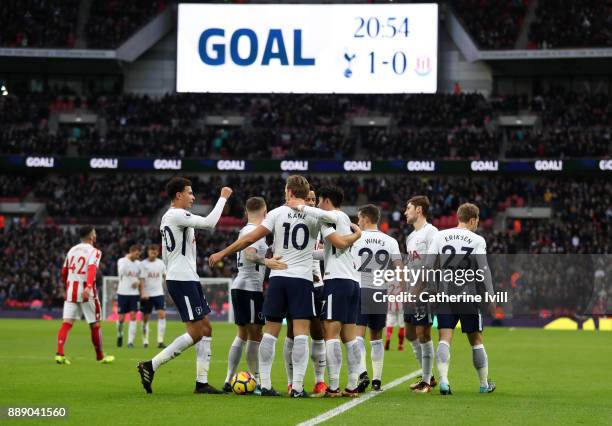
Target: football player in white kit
[[374, 251], [79, 277], [128, 293], [317, 349], [419, 317], [461, 249], [178, 227], [247, 295], [340, 289], [152, 278], [290, 290]]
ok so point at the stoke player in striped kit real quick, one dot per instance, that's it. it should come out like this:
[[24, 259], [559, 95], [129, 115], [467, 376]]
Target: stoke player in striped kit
[[79, 276]]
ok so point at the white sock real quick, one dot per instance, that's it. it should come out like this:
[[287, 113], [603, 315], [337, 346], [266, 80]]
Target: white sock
[[252, 358], [145, 332], [416, 349], [318, 357], [427, 354], [443, 360], [233, 357], [377, 352], [132, 332], [173, 350], [288, 357], [353, 361], [267, 348], [362, 361], [119, 328], [333, 352], [161, 329], [481, 364], [203, 359], [300, 355]]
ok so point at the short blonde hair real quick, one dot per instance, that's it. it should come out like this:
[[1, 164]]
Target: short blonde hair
[[467, 211], [299, 186]]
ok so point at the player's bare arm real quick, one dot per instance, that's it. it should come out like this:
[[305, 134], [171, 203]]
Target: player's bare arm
[[272, 262], [320, 214], [142, 292], [240, 244], [343, 241]]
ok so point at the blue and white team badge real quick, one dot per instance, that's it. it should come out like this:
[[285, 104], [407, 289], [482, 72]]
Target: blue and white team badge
[[347, 72]]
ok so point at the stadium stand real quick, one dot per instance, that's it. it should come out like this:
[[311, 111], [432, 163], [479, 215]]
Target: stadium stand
[[439, 126], [567, 23], [38, 23], [111, 22], [581, 221], [493, 24]]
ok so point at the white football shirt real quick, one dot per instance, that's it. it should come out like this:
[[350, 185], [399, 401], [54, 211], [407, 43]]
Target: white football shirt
[[295, 236], [418, 243], [153, 274], [339, 264], [374, 251], [178, 240], [129, 274], [250, 275], [461, 249]]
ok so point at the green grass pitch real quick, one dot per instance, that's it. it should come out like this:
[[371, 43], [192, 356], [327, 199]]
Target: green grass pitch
[[543, 377]]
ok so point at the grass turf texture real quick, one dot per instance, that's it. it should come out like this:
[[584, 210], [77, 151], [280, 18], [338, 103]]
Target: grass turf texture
[[552, 377]]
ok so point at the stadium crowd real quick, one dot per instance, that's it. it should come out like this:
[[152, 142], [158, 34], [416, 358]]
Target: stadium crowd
[[32, 253], [568, 23], [53, 23], [38, 23], [111, 22], [32, 257], [494, 24], [308, 126]]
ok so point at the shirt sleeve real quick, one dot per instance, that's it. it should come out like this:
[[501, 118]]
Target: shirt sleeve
[[270, 220], [327, 230], [120, 268], [143, 272], [395, 251], [483, 264], [190, 220], [324, 215], [432, 253]]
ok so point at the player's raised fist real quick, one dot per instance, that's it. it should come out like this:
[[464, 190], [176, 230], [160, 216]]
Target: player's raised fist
[[226, 192], [215, 257]]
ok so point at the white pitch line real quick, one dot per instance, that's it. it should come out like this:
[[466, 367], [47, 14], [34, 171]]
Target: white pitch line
[[359, 400]]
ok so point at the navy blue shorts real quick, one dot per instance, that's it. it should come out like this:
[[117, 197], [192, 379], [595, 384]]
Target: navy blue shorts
[[189, 299], [372, 314], [293, 297], [470, 323], [341, 300], [318, 297], [421, 315], [247, 307], [127, 303], [372, 321], [156, 302]]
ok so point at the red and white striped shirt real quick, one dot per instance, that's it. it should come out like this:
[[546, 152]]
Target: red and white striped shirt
[[78, 261]]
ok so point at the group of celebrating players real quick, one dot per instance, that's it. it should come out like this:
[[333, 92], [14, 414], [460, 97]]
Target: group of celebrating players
[[333, 307]]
